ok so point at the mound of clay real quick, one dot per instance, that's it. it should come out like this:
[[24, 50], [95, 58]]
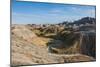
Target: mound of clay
[[23, 32]]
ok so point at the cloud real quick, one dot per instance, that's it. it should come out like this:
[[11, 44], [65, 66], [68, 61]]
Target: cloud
[[83, 11], [25, 18], [56, 11], [25, 15], [90, 11], [74, 8]]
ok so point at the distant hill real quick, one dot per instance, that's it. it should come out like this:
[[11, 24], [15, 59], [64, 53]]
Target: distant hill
[[83, 20]]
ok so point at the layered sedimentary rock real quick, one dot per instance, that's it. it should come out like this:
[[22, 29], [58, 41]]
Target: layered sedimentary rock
[[88, 43], [25, 50], [79, 42]]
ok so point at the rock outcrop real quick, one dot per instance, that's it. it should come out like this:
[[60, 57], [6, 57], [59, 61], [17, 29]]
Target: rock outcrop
[[23, 32], [78, 42], [25, 51]]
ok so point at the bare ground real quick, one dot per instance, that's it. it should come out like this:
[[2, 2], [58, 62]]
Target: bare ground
[[27, 48]]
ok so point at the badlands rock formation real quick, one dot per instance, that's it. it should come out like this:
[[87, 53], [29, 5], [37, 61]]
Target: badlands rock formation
[[27, 48]]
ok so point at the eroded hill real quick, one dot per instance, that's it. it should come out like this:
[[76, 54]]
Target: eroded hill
[[39, 46]]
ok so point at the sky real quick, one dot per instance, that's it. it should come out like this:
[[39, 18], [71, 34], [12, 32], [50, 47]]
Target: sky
[[48, 13], [90, 2]]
